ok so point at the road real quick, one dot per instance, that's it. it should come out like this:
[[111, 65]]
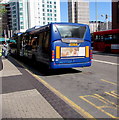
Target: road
[[91, 91]]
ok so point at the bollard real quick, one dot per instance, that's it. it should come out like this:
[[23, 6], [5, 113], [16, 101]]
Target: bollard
[[1, 64]]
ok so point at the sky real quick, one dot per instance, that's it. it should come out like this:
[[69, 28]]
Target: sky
[[103, 8]]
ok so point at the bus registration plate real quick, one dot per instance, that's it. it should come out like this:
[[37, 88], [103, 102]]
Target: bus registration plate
[[73, 44]]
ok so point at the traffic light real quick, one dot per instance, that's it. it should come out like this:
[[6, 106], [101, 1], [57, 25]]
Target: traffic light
[[106, 16]]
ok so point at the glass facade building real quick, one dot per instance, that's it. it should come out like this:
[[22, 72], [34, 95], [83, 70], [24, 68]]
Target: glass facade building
[[30, 13]]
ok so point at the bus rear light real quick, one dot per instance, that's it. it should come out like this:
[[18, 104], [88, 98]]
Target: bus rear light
[[87, 51], [53, 55], [52, 52], [57, 52], [91, 56]]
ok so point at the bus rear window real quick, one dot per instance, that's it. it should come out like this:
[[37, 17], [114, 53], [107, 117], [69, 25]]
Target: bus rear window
[[71, 31]]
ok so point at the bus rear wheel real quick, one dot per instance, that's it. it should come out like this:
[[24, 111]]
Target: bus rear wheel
[[33, 60], [107, 50]]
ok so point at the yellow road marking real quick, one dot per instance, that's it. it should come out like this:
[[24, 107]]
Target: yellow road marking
[[113, 92], [98, 107], [84, 113], [108, 82], [112, 95], [106, 99]]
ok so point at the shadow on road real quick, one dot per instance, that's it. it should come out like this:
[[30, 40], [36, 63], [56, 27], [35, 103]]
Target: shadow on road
[[42, 69]]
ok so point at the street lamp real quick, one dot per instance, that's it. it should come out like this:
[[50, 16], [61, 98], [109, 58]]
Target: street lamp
[[96, 14]]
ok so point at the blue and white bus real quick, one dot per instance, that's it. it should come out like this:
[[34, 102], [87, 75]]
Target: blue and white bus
[[59, 45]]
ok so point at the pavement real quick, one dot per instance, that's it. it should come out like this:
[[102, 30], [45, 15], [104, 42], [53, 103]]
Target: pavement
[[19, 98]]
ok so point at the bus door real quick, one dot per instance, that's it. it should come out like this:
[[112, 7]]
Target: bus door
[[43, 49]]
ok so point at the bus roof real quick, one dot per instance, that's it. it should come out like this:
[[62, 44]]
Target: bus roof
[[113, 31], [67, 23], [32, 30]]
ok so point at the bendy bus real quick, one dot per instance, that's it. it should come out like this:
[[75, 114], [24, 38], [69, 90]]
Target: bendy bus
[[59, 45]]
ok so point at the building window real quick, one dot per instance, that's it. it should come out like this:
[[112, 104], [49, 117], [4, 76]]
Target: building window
[[55, 15], [14, 8], [14, 12], [21, 13], [50, 6], [14, 16], [14, 20], [21, 18], [22, 27], [43, 10], [55, 11], [50, 10], [54, 2], [21, 23], [47, 10], [43, 14], [43, 5], [43, 18], [21, 4], [21, 9]]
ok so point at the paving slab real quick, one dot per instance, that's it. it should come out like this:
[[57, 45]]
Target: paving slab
[[20, 99]]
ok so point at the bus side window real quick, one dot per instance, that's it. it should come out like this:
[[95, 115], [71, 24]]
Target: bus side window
[[97, 38], [102, 38], [45, 42], [40, 41]]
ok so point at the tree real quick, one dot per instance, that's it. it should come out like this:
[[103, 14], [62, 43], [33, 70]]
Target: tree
[[2, 9], [2, 12]]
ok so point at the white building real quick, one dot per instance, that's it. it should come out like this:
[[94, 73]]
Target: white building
[[78, 11], [99, 26], [30, 13]]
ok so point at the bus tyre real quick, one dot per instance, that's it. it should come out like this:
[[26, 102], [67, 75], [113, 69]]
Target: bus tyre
[[34, 60], [107, 50]]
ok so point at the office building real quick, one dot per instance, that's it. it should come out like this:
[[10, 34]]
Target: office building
[[30, 13], [78, 11], [115, 14]]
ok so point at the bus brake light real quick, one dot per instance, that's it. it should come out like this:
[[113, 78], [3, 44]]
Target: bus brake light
[[91, 56]]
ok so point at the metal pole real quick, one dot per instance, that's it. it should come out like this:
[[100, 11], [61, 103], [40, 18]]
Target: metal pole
[[106, 18], [96, 14]]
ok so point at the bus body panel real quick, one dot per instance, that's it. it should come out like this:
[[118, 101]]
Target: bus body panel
[[57, 66]]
